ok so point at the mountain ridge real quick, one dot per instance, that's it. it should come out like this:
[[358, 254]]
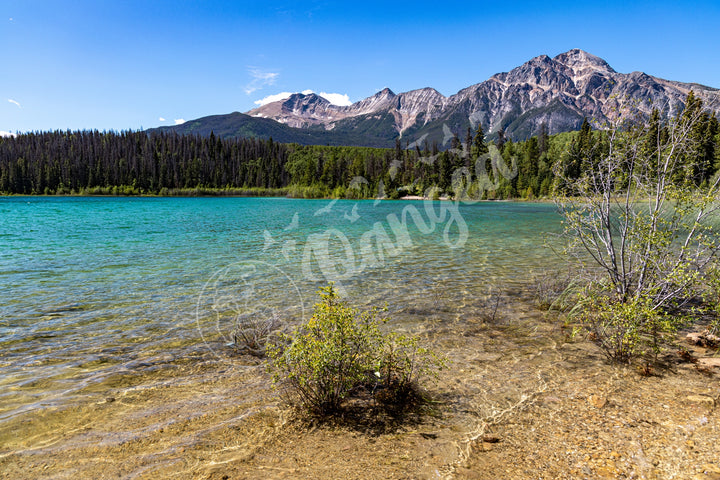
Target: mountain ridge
[[559, 92]]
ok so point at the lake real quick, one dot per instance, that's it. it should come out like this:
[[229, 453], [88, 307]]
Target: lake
[[96, 289]]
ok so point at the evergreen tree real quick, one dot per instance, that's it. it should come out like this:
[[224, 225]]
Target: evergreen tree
[[500, 143], [478, 146], [543, 138], [138, 162]]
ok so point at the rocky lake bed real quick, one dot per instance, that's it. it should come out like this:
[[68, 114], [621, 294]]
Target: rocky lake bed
[[520, 399]]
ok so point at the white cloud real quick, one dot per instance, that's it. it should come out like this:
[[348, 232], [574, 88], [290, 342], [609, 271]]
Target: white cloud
[[179, 121], [260, 79], [14, 101], [6, 134], [273, 98], [340, 99], [334, 98], [161, 119]]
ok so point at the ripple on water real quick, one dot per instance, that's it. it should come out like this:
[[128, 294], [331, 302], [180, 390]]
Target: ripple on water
[[102, 288]]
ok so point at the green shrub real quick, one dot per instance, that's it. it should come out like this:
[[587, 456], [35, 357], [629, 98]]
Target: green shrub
[[338, 192], [627, 329], [635, 211], [342, 350], [329, 355], [401, 364]]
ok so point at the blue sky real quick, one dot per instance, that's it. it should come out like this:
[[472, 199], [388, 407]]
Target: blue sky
[[130, 64]]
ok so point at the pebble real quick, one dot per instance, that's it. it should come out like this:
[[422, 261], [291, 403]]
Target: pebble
[[551, 399], [709, 362], [709, 402], [597, 401], [606, 472]]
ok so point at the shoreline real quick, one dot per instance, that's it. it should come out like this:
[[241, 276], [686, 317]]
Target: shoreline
[[190, 194], [519, 400]]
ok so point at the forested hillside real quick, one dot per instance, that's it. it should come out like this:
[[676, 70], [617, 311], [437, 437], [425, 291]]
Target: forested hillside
[[92, 162]]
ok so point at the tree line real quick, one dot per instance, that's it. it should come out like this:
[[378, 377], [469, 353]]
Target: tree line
[[92, 162]]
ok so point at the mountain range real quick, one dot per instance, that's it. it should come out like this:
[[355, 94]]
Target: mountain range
[[558, 92]]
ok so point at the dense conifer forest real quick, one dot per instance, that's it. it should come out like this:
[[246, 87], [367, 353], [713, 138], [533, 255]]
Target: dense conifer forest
[[141, 163]]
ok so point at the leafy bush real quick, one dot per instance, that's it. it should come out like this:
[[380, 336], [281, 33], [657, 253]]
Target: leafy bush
[[329, 355], [402, 362], [626, 329], [634, 210], [342, 350]]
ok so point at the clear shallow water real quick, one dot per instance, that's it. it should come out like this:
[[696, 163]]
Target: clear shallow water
[[93, 288]]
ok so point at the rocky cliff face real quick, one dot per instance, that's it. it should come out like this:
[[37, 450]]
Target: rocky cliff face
[[558, 91]]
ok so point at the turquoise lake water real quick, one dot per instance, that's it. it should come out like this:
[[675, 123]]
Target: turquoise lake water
[[92, 288]]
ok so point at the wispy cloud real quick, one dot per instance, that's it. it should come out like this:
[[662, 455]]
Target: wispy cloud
[[14, 101], [161, 119], [340, 99], [179, 121], [260, 79]]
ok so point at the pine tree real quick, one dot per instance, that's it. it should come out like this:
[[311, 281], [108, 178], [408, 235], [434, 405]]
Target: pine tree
[[479, 147], [543, 138], [500, 143]]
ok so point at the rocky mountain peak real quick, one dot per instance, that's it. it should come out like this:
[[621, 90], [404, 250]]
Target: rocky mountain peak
[[299, 102], [541, 60], [423, 95], [538, 75], [382, 99], [582, 62], [299, 110], [385, 92], [383, 95]]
